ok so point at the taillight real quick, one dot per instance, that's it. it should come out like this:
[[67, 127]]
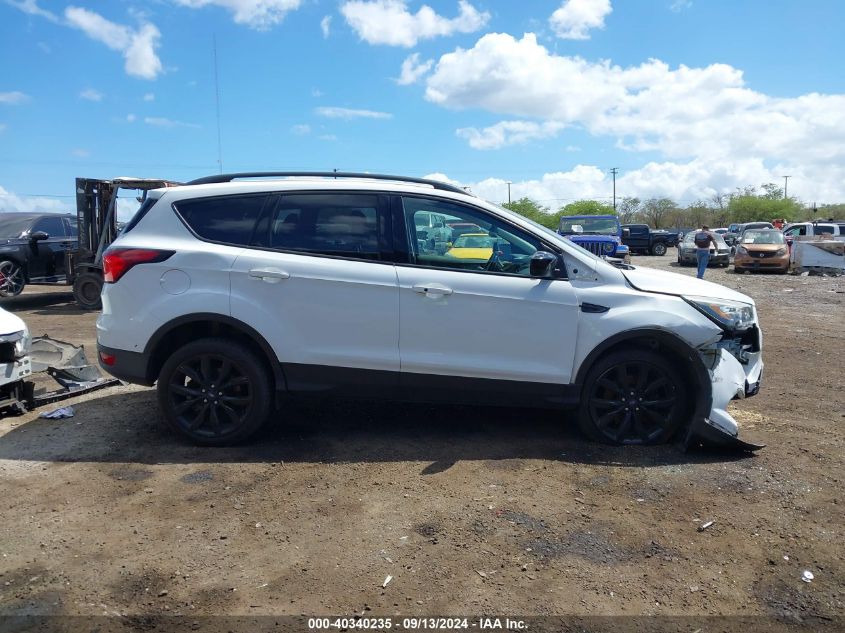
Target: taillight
[[118, 261]]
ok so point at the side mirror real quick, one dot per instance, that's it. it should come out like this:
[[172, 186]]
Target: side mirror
[[542, 264], [626, 232], [38, 236]]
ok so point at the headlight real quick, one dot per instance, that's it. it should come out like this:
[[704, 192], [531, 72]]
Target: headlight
[[23, 344], [731, 315], [741, 251], [608, 248], [781, 251]]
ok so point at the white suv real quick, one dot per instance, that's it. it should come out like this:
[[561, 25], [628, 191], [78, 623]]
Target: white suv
[[233, 290]]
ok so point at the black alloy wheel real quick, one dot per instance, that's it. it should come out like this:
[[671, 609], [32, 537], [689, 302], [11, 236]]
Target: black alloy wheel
[[214, 392], [632, 397], [658, 249], [11, 279]]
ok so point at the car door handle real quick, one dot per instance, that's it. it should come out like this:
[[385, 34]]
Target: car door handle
[[270, 275], [432, 290]]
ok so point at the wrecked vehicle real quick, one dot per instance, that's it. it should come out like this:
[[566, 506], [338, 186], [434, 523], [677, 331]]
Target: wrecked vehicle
[[229, 293], [15, 365]]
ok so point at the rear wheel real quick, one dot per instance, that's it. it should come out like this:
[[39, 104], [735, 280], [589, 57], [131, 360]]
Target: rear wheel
[[11, 279], [214, 392], [658, 249], [632, 397], [86, 290]]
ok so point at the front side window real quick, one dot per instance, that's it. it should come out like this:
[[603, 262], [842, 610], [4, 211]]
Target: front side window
[[54, 227], [600, 226], [341, 225], [226, 219], [463, 238]]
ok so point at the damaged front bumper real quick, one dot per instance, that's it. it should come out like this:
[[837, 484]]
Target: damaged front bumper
[[735, 368]]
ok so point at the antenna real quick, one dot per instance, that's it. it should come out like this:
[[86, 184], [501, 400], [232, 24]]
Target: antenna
[[217, 104]]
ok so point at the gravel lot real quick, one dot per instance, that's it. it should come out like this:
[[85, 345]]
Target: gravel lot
[[470, 510]]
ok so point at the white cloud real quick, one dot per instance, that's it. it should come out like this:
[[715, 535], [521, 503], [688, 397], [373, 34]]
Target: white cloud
[[327, 137], [349, 113], [45, 47], [390, 22], [326, 25], [157, 121], [413, 69], [679, 5], [81, 153], [301, 129], [710, 131], [256, 14], [574, 19], [138, 47], [509, 133], [316, 93], [130, 118], [2, 127], [89, 94], [10, 202], [31, 7], [13, 98], [149, 96]]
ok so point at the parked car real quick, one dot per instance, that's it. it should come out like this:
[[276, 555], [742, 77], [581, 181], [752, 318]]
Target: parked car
[[762, 249], [641, 238], [473, 246], [730, 238], [736, 230], [720, 254], [599, 234], [229, 292], [33, 249], [796, 229]]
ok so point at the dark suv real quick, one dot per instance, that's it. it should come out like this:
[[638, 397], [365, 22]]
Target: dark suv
[[33, 248]]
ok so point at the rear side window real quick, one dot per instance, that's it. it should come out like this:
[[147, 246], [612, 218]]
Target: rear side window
[[341, 225], [824, 228], [227, 219]]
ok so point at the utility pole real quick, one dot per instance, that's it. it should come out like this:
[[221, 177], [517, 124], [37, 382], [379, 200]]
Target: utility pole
[[785, 183], [509, 183], [217, 106], [614, 171]]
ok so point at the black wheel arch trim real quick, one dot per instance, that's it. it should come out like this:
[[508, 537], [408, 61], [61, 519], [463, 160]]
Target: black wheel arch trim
[[211, 317], [698, 371]]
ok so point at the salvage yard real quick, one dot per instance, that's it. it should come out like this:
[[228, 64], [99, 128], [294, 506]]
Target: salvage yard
[[470, 510]]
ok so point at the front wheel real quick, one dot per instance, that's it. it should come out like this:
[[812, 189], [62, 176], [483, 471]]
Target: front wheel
[[658, 249], [11, 279], [215, 392], [632, 397]]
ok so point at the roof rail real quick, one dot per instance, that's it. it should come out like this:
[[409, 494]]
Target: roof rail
[[436, 184]]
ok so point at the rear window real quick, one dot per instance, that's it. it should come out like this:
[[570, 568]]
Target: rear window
[[227, 219], [146, 205]]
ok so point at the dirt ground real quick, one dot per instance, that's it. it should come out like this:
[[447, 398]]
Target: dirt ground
[[470, 510]]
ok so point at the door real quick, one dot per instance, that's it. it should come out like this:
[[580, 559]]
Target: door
[[47, 258], [473, 311], [319, 287]]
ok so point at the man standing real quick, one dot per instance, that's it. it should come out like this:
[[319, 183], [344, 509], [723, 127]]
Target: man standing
[[703, 240]]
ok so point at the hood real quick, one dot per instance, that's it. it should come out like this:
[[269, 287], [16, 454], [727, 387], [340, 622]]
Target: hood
[[762, 248], [651, 280], [9, 323]]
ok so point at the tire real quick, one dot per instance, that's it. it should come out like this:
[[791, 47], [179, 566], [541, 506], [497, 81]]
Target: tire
[[190, 374], [86, 290], [738, 271], [11, 278], [622, 381], [658, 249]]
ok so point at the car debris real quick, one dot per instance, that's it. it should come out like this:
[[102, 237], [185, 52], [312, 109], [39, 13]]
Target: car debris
[[386, 581], [58, 414], [807, 576], [704, 526], [22, 357]]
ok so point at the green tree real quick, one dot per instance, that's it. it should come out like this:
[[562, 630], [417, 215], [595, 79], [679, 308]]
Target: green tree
[[657, 212], [587, 207], [628, 210], [746, 205], [534, 211]]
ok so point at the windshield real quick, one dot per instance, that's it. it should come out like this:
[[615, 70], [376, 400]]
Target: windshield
[[12, 226], [602, 226], [762, 237]]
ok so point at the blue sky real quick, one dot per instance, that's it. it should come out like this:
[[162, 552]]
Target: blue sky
[[687, 98]]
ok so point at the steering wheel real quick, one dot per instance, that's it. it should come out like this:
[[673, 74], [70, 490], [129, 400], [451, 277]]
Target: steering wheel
[[494, 264]]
